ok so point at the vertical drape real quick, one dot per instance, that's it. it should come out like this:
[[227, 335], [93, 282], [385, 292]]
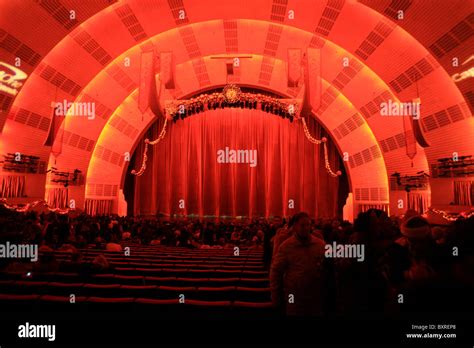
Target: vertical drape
[[183, 175], [98, 206], [380, 206], [57, 197], [418, 201], [12, 186], [464, 192]]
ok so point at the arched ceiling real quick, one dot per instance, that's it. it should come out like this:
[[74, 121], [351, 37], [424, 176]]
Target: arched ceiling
[[84, 61]]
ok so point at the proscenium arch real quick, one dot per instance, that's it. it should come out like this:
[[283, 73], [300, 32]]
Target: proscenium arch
[[134, 112], [127, 53], [281, 64]]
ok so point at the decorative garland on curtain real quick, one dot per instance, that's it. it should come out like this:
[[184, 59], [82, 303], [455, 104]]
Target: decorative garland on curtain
[[452, 216], [318, 142], [30, 206], [232, 96], [148, 142]]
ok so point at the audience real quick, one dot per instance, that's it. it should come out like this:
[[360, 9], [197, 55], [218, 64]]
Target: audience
[[426, 264]]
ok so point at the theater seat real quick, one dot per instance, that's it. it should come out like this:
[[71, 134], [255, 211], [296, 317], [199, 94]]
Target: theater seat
[[129, 279], [143, 264], [119, 263], [147, 272], [252, 294], [255, 282], [160, 308], [29, 287], [152, 280], [200, 303], [246, 304], [107, 278], [169, 292], [207, 309], [101, 290], [111, 304], [214, 293], [110, 299], [127, 270], [223, 281], [63, 277], [64, 289], [153, 301], [227, 272], [197, 273], [177, 272], [148, 291], [254, 274], [184, 281], [18, 303], [48, 303]]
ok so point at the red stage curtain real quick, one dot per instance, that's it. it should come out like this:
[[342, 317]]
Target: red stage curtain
[[365, 207], [98, 206], [57, 197], [184, 167], [12, 186], [464, 192], [419, 201]]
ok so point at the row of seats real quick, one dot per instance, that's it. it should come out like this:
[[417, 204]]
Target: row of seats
[[166, 308], [187, 265], [161, 257], [146, 264], [165, 250], [190, 272], [179, 281], [154, 277], [137, 258], [122, 258], [230, 293], [109, 278], [157, 272]]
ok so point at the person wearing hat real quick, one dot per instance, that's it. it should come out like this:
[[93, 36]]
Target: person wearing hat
[[407, 231], [421, 246], [416, 228]]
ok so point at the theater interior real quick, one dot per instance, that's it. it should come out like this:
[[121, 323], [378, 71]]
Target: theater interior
[[266, 160]]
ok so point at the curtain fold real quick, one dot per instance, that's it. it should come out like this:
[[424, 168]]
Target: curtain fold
[[57, 197], [183, 175], [365, 207], [98, 206], [12, 186], [464, 192], [419, 201]]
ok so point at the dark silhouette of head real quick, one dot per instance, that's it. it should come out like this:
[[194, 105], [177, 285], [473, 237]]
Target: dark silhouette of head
[[300, 223]]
